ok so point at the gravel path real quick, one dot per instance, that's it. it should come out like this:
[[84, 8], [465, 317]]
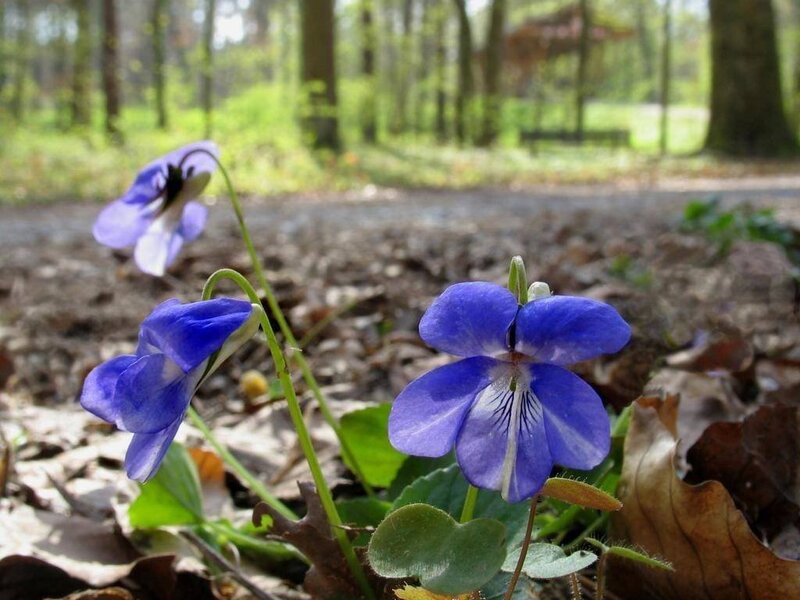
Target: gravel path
[[66, 222]]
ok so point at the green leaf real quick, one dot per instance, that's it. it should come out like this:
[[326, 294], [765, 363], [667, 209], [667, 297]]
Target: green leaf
[[446, 489], [448, 558], [415, 467], [580, 494], [546, 561], [362, 512], [497, 587], [367, 434], [172, 497]]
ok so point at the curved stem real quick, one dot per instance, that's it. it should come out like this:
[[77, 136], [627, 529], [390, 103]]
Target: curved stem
[[325, 496], [286, 330], [469, 504], [512, 585], [238, 468]]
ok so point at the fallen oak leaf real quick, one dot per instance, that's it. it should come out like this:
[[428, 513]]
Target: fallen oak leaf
[[696, 528], [329, 575], [758, 462]]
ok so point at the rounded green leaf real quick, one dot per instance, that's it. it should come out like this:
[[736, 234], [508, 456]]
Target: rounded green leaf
[[446, 489], [421, 541], [546, 561]]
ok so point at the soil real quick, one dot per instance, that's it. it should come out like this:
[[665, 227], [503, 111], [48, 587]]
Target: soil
[[67, 303]]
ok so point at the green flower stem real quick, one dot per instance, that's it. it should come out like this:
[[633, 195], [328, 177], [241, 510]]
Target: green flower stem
[[600, 521], [469, 504], [325, 496], [238, 468], [291, 340], [523, 552]]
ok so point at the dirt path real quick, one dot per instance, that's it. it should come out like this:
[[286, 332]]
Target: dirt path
[[65, 222]]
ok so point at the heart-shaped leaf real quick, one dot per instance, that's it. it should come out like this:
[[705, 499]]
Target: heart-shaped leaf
[[446, 489], [173, 496], [546, 561], [367, 435], [580, 494], [421, 541]]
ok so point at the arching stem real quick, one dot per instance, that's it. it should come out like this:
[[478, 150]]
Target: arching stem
[[296, 413], [291, 340]]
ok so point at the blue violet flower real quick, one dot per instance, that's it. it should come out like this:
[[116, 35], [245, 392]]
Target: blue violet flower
[[157, 214], [509, 406], [148, 393]]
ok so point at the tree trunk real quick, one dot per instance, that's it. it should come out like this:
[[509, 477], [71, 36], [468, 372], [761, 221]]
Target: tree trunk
[[666, 62], [82, 65], [259, 9], [111, 83], [464, 94], [747, 114], [369, 115], [440, 31], [645, 42], [159, 22], [406, 68], [320, 121], [207, 87], [583, 66], [23, 43], [3, 50], [493, 67], [424, 50]]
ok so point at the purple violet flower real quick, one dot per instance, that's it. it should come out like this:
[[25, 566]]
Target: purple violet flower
[[509, 407], [157, 214], [147, 393]]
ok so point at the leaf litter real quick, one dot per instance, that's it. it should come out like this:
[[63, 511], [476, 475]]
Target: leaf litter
[[720, 329]]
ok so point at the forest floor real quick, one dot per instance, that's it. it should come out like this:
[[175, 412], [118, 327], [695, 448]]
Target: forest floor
[[67, 303]]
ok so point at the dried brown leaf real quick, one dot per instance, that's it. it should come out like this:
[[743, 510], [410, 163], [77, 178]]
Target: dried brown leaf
[[696, 528], [758, 462]]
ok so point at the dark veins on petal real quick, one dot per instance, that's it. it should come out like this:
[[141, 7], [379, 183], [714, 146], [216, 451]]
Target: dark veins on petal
[[530, 411]]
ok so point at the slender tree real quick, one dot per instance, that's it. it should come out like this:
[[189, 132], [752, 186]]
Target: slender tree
[[23, 58], [369, 113], [645, 41], [666, 61], [207, 87], [405, 70], [111, 82], [583, 67], [424, 51], [82, 65], [492, 73], [465, 82], [317, 26], [747, 113], [3, 49], [440, 31], [158, 23]]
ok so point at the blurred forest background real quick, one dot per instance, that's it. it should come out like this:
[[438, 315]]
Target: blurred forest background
[[320, 95]]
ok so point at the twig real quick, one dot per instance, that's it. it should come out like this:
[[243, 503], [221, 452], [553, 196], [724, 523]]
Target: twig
[[215, 557]]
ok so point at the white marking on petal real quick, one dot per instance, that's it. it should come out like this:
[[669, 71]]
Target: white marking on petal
[[510, 460]]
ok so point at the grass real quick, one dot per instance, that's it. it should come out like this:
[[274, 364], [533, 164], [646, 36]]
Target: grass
[[265, 154]]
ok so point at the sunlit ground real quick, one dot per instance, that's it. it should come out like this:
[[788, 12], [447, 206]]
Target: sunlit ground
[[264, 151]]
